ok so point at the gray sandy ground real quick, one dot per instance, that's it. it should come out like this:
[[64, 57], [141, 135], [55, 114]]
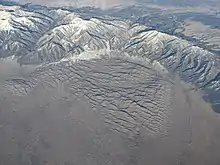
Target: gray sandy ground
[[9, 68], [105, 111]]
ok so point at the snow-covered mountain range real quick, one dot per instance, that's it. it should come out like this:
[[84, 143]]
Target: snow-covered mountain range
[[37, 35], [109, 87]]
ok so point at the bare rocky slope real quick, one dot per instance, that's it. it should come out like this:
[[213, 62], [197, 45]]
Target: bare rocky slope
[[106, 90]]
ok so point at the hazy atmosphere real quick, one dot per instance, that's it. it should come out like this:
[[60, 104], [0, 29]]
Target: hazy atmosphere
[[111, 3]]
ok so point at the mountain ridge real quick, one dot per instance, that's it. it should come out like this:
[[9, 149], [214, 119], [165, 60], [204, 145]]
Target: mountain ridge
[[49, 35]]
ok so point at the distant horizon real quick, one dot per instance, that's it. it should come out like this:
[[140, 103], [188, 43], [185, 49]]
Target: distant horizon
[[106, 4]]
